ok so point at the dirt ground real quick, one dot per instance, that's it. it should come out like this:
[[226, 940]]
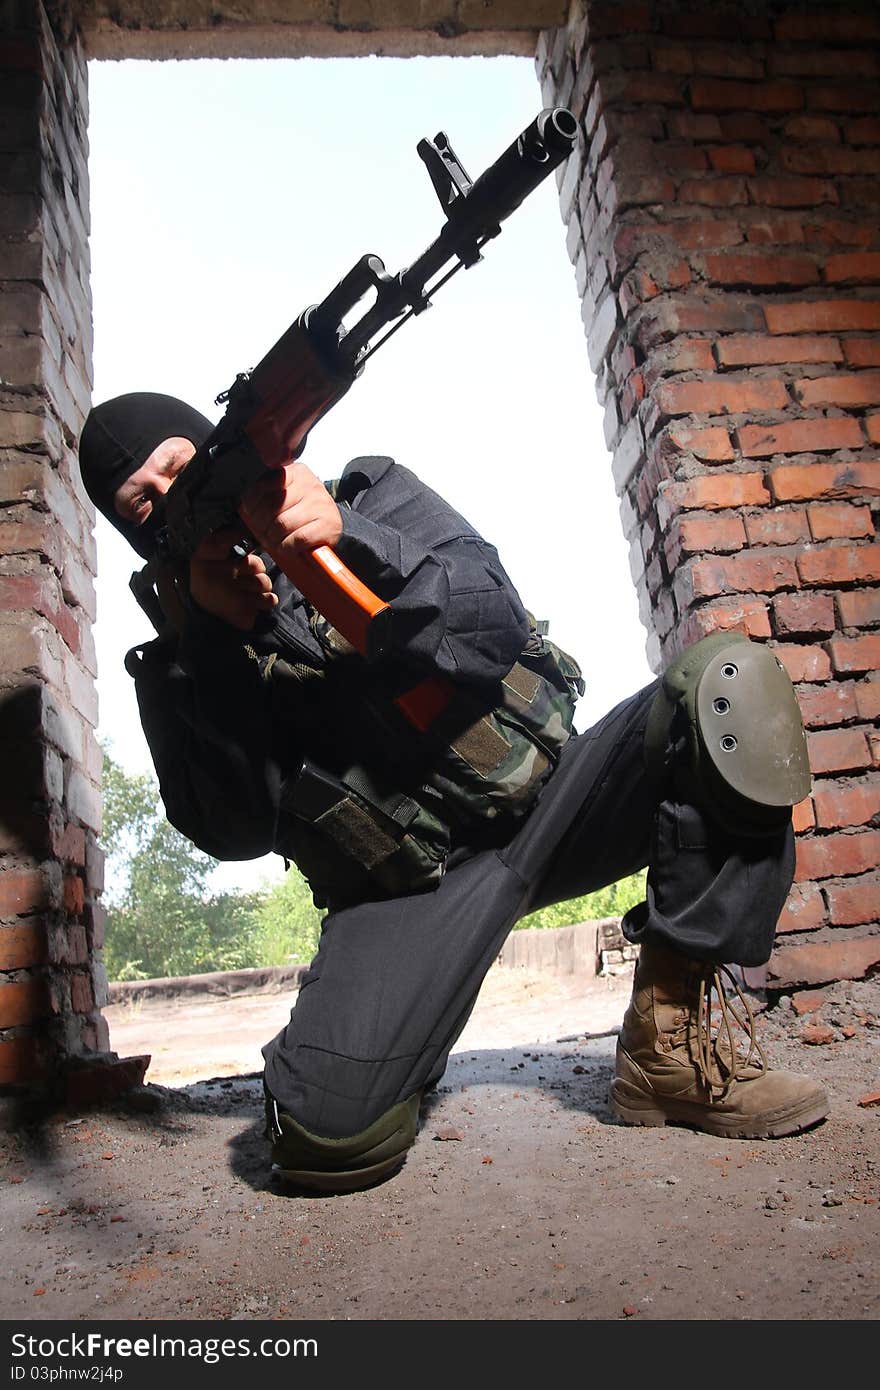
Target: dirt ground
[[523, 1199]]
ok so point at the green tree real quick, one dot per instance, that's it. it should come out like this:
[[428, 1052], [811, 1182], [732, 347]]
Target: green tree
[[612, 901], [161, 917], [288, 925]]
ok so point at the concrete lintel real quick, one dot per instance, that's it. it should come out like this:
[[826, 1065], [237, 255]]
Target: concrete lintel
[[105, 40]]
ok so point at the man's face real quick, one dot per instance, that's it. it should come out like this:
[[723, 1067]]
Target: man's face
[[135, 498]]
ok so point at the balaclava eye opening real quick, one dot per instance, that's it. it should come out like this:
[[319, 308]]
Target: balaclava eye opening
[[118, 437]]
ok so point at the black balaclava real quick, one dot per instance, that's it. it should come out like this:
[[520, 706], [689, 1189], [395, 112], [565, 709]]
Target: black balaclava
[[118, 437]]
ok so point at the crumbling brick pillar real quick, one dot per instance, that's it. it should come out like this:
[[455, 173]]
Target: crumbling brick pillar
[[724, 222], [52, 983]]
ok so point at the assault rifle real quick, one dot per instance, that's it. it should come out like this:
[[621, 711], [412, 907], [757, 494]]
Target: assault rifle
[[271, 409]]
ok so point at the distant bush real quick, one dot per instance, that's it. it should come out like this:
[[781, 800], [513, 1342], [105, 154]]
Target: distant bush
[[613, 901]]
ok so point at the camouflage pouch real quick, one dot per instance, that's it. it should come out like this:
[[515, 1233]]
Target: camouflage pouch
[[354, 833], [496, 763]]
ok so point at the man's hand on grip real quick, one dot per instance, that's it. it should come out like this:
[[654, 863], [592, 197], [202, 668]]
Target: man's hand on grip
[[291, 511], [234, 588]]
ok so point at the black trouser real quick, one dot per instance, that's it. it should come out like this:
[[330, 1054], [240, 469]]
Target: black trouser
[[393, 982]]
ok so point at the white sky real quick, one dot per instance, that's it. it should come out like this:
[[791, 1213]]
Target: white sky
[[228, 196]]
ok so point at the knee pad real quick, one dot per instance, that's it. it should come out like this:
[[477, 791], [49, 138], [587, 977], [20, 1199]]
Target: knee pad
[[346, 1164], [726, 727]]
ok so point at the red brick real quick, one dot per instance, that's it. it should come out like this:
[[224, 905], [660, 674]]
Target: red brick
[[661, 88], [29, 592], [790, 192], [831, 520], [771, 229], [823, 316], [843, 96], [636, 190], [82, 998], [96, 1081], [830, 160], [800, 614], [872, 424], [749, 572], [859, 608], [728, 61], [804, 482], [748, 615], [744, 127], [831, 25], [22, 944], [692, 534], [732, 159], [803, 911], [740, 351], [711, 493], [838, 750], [854, 902], [859, 267], [799, 436], [837, 856], [855, 653], [777, 527], [40, 537], [712, 444], [865, 130], [846, 802], [812, 129], [721, 396], [688, 355], [633, 239], [834, 232], [97, 919], [868, 699], [21, 891], [685, 125], [820, 962], [74, 894], [681, 159], [726, 314], [706, 22], [672, 57], [817, 1034], [808, 1001], [822, 705], [70, 845], [71, 947], [757, 268], [721, 192], [24, 1001], [804, 663], [802, 816], [840, 565], [22, 1060], [719, 94], [862, 352], [845, 389]]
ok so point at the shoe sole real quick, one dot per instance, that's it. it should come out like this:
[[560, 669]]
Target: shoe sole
[[633, 1107]]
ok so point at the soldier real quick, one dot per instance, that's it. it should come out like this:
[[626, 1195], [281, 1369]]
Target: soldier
[[425, 846]]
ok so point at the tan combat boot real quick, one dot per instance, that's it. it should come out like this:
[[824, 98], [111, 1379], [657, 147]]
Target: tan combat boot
[[671, 1067]]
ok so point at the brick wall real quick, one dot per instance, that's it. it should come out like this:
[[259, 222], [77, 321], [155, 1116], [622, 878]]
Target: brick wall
[[722, 221], [51, 979], [723, 224]]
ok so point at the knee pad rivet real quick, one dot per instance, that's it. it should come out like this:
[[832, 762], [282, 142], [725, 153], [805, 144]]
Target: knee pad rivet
[[728, 743], [721, 706]]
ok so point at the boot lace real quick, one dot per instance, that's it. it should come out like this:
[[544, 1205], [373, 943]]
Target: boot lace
[[721, 1065]]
